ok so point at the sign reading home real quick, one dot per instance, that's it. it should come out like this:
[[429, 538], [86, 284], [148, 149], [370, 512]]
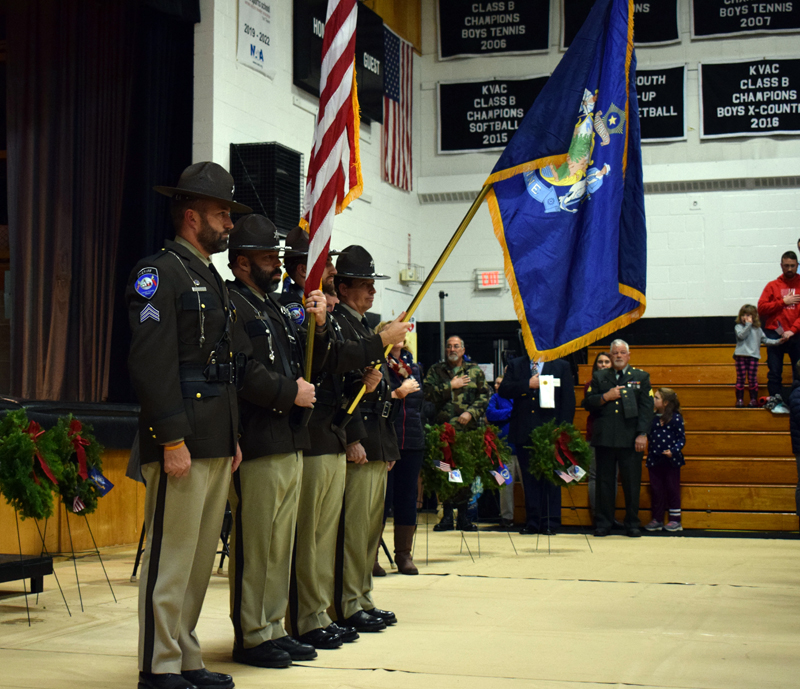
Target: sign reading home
[[712, 18], [662, 103], [483, 115], [751, 98], [655, 22], [502, 27]]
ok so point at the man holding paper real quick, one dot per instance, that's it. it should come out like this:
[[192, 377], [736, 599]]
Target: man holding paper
[[541, 392]]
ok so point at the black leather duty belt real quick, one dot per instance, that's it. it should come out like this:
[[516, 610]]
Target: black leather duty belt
[[382, 409]]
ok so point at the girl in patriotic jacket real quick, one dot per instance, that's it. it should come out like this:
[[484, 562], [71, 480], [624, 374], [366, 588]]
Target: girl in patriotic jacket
[[664, 461], [749, 338]]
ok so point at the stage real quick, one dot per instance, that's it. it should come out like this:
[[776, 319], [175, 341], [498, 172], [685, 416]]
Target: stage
[[677, 612]]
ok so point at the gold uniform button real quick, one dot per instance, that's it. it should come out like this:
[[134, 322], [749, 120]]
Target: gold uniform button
[[202, 306], [154, 436], [199, 395], [151, 428]]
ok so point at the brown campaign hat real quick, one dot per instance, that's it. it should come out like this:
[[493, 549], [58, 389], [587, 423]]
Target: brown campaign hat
[[297, 243], [205, 180], [356, 262], [254, 233]]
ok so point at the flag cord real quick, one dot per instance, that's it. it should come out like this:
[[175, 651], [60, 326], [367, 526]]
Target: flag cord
[[420, 295]]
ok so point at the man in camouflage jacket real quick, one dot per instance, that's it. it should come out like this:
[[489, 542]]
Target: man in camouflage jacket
[[458, 391]]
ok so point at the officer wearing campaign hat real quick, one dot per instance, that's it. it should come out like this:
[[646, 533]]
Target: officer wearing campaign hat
[[182, 364], [324, 471], [264, 492], [372, 450], [295, 259]]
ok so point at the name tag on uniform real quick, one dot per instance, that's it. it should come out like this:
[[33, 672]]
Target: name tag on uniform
[[199, 289]]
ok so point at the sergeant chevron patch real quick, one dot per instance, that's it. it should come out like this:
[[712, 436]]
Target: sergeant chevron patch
[[149, 311]]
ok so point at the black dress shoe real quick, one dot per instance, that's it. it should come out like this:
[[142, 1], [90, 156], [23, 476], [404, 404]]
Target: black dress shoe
[[362, 622], [348, 634], [599, 533], [633, 533], [322, 638], [150, 680], [205, 679], [296, 649], [263, 655], [547, 531], [529, 530], [386, 615]]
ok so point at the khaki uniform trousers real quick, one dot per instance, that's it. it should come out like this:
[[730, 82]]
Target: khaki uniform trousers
[[263, 497], [360, 530], [183, 521], [321, 495]]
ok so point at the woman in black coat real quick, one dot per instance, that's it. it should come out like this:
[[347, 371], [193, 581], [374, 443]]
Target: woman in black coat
[[401, 487]]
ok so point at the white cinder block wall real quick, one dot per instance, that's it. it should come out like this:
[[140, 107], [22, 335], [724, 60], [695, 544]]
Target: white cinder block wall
[[708, 252]]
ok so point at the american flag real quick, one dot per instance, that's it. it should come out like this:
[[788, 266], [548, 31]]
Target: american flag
[[334, 168], [397, 110], [444, 466]]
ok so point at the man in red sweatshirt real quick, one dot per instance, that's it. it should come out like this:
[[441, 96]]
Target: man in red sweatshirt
[[780, 315]]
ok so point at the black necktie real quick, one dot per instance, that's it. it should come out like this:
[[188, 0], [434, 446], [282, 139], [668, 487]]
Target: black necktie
[[619, 377], [217, 278], [365, 323]]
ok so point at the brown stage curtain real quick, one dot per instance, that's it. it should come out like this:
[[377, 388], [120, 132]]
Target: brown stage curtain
[[70, 66]]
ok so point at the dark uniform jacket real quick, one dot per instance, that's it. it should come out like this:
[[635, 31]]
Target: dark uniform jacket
[[527, 414], [292, 298], [278, 345], [619, 422], [372, 419], [181, 322]]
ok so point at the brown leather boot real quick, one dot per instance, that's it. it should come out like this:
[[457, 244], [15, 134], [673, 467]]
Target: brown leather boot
[[403, 542]]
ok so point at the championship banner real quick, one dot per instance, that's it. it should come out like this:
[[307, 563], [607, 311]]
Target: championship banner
[[655, 22], [309, 30], [662, 103], [483, 115], [714, 18], [750, 98], [256, 41], [505, 27]]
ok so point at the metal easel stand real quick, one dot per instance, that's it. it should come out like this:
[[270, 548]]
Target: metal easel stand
[[44, 551]]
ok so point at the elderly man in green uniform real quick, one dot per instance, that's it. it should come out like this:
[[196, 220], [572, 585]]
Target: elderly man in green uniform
[[185, 371], [371, 452], [623, 401], [458, 391], [264, 492]]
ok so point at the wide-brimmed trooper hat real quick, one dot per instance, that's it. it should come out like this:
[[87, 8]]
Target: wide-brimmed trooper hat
[[356, 262], [297, 244], [254, 233], [205, 180]]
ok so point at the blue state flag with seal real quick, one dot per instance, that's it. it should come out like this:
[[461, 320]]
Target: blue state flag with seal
[[567, 198]]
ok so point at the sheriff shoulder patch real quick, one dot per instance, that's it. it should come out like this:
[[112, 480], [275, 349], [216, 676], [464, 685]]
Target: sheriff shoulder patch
[[146, 282], [297, 313]]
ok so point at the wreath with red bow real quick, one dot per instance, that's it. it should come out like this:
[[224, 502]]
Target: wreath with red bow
[[30, 466], [557, 448], [475, 453], [81, 455]]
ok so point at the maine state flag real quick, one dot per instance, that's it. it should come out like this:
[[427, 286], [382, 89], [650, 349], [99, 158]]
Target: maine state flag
[[567, 200]]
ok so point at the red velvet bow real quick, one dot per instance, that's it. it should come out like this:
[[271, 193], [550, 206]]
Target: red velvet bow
[[448, 437], [561, 448], [489, 445], [34, 431], [79, 443]]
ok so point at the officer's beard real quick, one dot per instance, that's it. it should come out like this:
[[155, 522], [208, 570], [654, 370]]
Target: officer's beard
[[212, 242], [266, 282], [328, 288]]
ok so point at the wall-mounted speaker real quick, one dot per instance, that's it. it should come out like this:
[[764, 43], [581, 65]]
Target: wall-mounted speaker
[[269, 179]]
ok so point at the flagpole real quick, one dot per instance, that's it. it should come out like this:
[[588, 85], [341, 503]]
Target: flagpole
[[426, 285], [311, 333]]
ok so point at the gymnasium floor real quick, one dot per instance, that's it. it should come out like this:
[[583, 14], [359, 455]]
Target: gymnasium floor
[[694, 613]]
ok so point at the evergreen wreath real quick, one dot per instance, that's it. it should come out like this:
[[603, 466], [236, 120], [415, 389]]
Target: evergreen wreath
[[80, 453], [30, 466], [556, 447], [491, 452]]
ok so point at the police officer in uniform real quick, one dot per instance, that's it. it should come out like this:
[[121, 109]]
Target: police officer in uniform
[[183, 367], [324, 465], [265, 490], [371, 452], [624, 401]]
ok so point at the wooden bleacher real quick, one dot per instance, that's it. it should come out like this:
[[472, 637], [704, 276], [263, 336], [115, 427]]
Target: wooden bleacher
[[740, 472]]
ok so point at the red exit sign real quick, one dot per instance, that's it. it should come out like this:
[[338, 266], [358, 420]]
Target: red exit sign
[[488, 279]]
